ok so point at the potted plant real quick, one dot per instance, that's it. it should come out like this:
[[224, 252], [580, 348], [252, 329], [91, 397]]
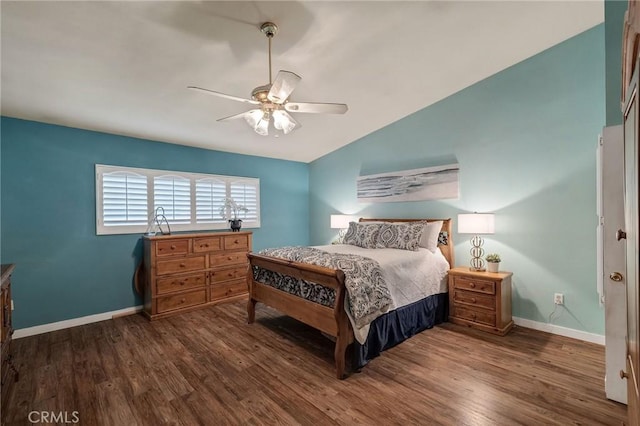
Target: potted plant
[[230, 211], [493, 262]]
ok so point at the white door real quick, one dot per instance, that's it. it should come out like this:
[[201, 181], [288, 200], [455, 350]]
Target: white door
[[611, 251]]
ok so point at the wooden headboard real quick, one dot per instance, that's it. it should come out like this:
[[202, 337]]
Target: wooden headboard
[[447, 250]]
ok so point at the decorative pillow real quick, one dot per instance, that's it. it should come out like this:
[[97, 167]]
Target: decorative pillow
[[404, 236], [430, 236], [443, 239], [362, 235]]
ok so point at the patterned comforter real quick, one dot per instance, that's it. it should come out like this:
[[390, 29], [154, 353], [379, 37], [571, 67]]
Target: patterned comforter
[[367, 292]]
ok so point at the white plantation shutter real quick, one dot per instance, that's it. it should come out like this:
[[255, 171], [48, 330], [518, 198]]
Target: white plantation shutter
[[210, 195], [124, 199], [245, 193], [173, 194]]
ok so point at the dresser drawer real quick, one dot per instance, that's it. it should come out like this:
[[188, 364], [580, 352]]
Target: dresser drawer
[[228, 289], [228, 274], [233, 258], [184, 264], [181, 300], [239, 242], [480, 286], [483, 317], [474, 299], [166, 248], [184, 282], [207, 244]]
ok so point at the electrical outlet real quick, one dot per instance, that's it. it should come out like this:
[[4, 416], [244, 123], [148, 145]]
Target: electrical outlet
[[558, 299]]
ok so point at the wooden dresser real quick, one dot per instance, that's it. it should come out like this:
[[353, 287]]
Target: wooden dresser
[[6, 330], [480, 299], [183, 272]]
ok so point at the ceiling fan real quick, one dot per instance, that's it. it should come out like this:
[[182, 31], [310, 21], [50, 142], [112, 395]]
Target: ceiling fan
[[273, 99]]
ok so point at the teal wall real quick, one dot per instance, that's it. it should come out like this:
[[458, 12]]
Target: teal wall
[[525, 139], [614, 24], [64, 270]]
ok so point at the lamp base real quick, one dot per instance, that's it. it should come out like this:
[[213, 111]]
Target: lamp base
[[477, 263]]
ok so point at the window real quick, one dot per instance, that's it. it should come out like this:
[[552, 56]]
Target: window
[[126, 199]]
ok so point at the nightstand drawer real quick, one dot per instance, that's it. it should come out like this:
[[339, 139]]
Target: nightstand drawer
[[181, 300], [473, 284], [474, 299], [166, 248], [478, 316]]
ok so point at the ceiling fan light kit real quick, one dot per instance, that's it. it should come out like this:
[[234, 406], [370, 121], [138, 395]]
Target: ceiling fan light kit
[[273, 99]]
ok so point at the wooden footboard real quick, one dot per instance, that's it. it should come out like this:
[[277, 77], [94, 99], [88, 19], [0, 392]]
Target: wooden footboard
[[331, 320]]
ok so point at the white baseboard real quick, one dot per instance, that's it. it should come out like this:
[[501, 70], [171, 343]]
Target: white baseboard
[[523, 322], [45, 328], [562, 331]]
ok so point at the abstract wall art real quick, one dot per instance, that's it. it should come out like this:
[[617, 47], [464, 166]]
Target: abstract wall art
[[430, 183]]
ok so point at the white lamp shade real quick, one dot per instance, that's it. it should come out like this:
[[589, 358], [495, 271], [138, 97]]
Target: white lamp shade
[[341, 221], [476, 223]]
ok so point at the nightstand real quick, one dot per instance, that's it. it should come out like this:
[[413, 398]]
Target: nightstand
[[480, 300]]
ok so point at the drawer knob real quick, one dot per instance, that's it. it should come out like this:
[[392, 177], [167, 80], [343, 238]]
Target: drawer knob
[[182, 300], [182, 265], [472, 285], [473, 300], [173, 247], [206, 245], [181, 282], [473, 316], [236, 242], [229, 258]]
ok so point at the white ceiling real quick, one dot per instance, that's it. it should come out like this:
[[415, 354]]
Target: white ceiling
[[123, 67]]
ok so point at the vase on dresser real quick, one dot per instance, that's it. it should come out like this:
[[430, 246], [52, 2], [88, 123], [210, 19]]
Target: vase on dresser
[[235, 224], [493, 266]]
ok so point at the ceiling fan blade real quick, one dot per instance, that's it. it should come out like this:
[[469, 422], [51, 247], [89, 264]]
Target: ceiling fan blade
[[236, 116], [320, 108], [222, 95], [282, 86]]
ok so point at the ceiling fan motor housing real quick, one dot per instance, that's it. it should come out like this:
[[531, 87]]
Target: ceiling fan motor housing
[[260, 93]]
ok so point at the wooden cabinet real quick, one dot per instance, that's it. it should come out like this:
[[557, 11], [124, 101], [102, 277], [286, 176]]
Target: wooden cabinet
[[189, 271], [480, 299], [6, 330]]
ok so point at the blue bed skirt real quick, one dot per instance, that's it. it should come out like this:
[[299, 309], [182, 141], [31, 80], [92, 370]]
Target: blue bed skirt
[[397, 326]]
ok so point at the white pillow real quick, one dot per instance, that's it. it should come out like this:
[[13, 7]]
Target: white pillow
[[430, 235]]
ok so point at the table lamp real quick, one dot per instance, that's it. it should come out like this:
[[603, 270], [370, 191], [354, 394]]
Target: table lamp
[[341, 222], [477, 224]]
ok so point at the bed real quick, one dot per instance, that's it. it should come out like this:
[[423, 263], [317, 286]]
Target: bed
[[404, 316]]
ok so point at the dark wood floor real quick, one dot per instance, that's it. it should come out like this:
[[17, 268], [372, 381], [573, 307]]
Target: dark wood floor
[[209, 367]]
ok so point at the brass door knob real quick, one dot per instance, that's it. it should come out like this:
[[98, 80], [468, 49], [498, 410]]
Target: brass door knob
[[623, 374], [616, 276]]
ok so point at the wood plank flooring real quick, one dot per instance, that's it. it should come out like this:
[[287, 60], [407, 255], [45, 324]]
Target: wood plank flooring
[[209, 367]]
